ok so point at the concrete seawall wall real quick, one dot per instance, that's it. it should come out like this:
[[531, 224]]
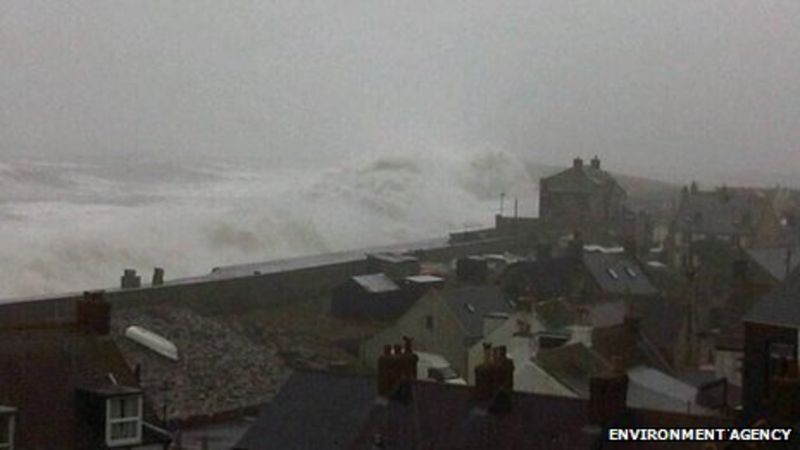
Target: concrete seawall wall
[[234, 294]]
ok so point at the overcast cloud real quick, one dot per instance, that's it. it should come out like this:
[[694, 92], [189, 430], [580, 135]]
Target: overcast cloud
[[674, 89]]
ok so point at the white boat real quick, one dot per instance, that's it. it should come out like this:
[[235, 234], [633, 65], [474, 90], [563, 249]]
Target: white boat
[[152, 341]]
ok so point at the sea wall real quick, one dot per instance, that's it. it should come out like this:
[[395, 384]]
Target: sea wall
[[237, 293]]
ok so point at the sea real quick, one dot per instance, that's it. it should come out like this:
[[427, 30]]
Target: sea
[[67, 226]]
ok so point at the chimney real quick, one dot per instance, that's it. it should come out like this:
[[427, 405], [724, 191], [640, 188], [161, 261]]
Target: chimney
[[596, 162], [158, 276], [577, 163], [608, 394], [94, 313], [494, 377], [693, 189], [396, 366], [784, 401], [130, 280]]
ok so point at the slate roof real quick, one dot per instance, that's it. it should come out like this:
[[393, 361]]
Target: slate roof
[[618, 274], [545, 278], [572, 365], [313, 410], [221, 368], [471, 303], [41, 370], [376, 283], [722, 211], [630, 344], [773, 260], [585, 179], [781, 306], [330, 411]]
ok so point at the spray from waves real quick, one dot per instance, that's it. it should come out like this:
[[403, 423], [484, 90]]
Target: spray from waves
[[82, 231]]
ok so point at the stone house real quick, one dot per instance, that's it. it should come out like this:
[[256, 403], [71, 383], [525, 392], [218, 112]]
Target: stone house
[[583, 198]]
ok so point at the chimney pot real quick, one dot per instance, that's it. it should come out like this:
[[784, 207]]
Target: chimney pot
[[130, 280], [396, 367], [487, 352], [595, 162], [158, 276], [407, 345], [577, 163], [608, 394]]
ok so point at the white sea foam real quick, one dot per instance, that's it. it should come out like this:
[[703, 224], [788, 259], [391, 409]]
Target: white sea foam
[[72, 227]]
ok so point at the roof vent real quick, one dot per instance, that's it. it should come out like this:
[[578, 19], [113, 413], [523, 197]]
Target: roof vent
[[470, 308], [613, 273]]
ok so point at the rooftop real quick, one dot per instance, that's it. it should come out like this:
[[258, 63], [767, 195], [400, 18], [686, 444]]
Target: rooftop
[[781, 306], [42, 369], [220, 368], [618, 274], [347, 414], [774, 259], [376, 283], [471, 303], [722, 211], [579, 179]]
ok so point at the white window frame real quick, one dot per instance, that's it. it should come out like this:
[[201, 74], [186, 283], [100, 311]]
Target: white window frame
[[9, 445], [114, 421]]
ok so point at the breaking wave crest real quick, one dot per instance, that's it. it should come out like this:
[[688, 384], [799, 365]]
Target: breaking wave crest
[[73, 227]]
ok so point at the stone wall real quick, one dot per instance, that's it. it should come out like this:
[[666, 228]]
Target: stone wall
[[222, 295]]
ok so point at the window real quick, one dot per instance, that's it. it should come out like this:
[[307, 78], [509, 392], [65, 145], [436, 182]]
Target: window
[[124, 420], [7, 432], [429, 323]]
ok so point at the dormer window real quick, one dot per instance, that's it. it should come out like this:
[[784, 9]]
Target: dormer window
[[7, 423], [123, 420]]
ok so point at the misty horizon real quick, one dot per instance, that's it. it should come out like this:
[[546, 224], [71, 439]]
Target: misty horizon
[[673, 91]]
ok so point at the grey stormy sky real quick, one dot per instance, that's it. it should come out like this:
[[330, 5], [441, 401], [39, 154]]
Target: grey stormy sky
[[677, 89]]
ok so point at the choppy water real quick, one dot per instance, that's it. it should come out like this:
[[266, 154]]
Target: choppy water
[[76, 226]]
